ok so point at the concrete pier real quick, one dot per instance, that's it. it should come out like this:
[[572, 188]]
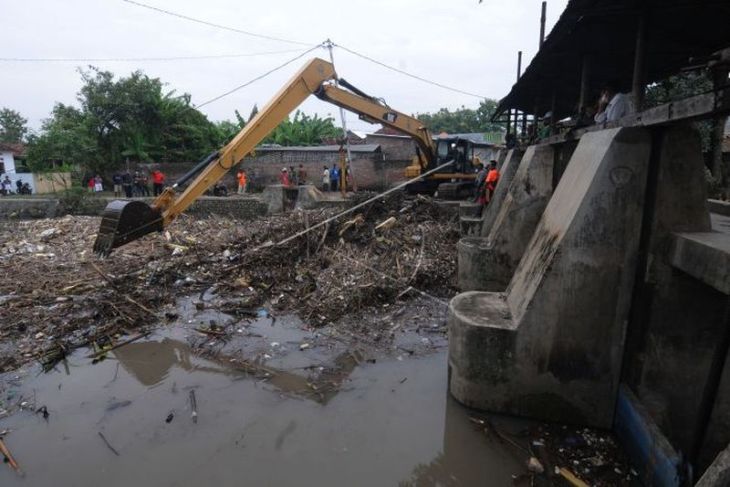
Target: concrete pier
[[488, 263], [550, 347], [507, 170], [680, 304], [470, 218]]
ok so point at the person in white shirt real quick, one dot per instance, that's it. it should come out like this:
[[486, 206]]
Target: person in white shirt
[[613, 105], [326, 179]]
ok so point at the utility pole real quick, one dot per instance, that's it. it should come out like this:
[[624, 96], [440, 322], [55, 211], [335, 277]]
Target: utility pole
[[542, 23], [343, 170], [519, 73]]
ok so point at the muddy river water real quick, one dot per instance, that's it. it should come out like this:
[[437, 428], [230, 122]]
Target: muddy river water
[[390, 422]]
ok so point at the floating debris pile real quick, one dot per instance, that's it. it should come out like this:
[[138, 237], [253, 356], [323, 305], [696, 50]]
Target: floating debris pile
[[57, 295]]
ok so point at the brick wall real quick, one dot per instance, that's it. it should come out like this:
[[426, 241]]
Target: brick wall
[[373, 171], [394, 148]]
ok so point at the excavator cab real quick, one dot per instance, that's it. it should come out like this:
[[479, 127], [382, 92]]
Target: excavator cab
[[452, 182]]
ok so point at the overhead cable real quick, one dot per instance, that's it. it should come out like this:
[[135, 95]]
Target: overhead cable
[[247, 83], [368, 58], [218, 26], [141, 59]]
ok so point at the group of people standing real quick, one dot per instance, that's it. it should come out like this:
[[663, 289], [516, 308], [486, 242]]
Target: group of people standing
[[291, 177], [6, 186], [331, 178], [486, 182], [95, 184], [136, 184]]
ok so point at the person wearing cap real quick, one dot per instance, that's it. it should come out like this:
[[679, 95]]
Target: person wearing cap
[[284, 177]]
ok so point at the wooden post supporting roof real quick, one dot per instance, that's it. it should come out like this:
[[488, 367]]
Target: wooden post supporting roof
[[639, 80], [542, 23], [585, 74]]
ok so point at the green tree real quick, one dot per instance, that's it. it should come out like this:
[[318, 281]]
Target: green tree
[[12, 126], [126, 118], [64, 137], [463, 120], [303, 130], [136, 147]]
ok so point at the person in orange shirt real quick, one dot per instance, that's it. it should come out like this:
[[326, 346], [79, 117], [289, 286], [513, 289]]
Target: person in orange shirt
[[492, 180], [158, 182], [242, 181]]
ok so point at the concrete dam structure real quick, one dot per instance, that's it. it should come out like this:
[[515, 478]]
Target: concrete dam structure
[[596, 283]]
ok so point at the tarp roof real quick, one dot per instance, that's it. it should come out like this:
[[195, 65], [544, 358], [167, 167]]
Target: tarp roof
[[606, 30]]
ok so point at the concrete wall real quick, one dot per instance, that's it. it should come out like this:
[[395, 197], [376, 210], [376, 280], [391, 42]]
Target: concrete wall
[[488, 263], [30, 208], [551, 346], [507, 170], [676, 319], [718, 474], [371, 172], [51, 182]]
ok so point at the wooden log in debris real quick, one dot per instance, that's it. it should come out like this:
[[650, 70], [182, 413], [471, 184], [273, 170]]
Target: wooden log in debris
[[108, 445], [9, 457]]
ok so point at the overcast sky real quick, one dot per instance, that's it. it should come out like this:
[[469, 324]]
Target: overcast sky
[[460, 43]]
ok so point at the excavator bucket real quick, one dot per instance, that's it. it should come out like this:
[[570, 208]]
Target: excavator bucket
[[124, 221]]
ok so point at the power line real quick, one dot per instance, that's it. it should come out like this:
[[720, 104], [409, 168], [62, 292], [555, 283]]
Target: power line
[[140, 59], [409, 74], [218, 26], [247, 83]]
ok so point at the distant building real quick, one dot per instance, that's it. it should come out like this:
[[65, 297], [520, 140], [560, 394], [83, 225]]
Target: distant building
[[12, 163]]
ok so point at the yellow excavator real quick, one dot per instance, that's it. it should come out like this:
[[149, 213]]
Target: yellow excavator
[[125, 221]]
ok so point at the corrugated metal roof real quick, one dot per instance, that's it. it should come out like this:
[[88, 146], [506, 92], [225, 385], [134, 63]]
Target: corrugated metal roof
[[606, 31], [320, 148], [474, 137]]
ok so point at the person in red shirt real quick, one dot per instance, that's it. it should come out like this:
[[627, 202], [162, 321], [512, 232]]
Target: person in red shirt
[[158, 181], [492, 180], [284, 177]]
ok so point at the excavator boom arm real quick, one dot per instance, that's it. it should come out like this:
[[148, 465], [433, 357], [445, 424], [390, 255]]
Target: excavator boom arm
[[303, 84], [124, 221], [375, 112]]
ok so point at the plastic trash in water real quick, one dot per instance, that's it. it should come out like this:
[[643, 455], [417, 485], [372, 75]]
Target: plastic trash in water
[[262, 313]]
